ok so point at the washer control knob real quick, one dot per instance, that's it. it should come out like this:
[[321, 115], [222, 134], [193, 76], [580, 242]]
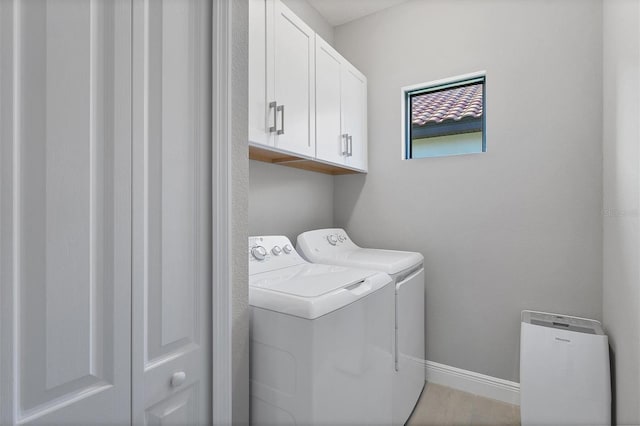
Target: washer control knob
[[259, 252], [333, 240], [287, 249], [341, 238], [276, 250]]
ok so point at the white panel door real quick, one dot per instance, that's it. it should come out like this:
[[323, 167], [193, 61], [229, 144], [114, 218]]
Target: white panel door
[[331, 143], [354, 115], [65, 269], [171, 211], [292, 70]]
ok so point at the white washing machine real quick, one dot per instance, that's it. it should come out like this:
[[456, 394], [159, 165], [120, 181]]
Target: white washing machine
[[333, 246], [321, 339]]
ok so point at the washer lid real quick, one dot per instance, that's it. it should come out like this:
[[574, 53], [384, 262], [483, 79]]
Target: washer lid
[[309, 280], [312, 290]]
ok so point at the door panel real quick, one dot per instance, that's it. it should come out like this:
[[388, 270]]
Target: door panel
[[66, 231], [330, 143], [172, 171], [177, 410], [294, 80], [171, 241]]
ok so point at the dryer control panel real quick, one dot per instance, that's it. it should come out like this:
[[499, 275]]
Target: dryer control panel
[[333, 246], [331, 240], [335, 238]]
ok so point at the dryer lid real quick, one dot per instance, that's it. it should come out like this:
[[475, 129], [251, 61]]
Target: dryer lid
[[390, 261]]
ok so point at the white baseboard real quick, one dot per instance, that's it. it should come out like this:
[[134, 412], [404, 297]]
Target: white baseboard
[[475, 383]]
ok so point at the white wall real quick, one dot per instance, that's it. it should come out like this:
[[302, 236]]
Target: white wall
[[518, 227], [311, 17], [621, 284], [283, 200], [288, 201]]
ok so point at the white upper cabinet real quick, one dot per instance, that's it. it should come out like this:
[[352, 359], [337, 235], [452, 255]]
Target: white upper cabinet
[[341, 109], [354, 115], [281, 80], [305, 100], [260, 121], [331, 142], [293, 81]]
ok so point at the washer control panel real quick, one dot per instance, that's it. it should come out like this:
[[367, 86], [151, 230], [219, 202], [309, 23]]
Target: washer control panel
[[259, 252], [271, 252]]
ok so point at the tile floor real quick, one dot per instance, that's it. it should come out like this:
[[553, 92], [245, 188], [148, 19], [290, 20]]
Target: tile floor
[[440, 405]]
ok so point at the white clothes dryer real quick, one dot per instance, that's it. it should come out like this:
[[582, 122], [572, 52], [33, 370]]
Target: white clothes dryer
[[321, 339], [333, 246]]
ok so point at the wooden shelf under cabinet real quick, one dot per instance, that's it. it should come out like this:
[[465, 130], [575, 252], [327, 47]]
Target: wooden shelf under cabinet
[[285, 159]]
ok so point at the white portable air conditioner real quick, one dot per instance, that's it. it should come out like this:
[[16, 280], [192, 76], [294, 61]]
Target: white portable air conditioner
[[564, 371]]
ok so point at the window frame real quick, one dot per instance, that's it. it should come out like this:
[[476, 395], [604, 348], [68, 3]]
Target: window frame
[[408, 92]]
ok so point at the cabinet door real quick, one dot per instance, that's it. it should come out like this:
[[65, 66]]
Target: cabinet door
[[293, 72], [354, 115], [261, 116], [65, 217], [331, 143], [171, 212]]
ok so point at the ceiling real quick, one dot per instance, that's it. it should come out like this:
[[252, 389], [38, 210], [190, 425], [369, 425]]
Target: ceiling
[[338, 12]]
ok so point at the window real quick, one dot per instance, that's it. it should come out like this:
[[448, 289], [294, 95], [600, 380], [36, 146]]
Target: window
[[445, 117]]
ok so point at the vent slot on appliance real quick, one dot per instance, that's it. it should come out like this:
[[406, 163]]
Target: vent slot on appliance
[[563, 326]]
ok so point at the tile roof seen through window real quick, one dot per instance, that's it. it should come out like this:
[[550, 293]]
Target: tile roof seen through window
[[445, 105]]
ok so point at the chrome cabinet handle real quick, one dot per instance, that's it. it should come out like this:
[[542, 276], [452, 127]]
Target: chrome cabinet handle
[[274, 106], [281, 109], [350, 146], [345, 138]]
